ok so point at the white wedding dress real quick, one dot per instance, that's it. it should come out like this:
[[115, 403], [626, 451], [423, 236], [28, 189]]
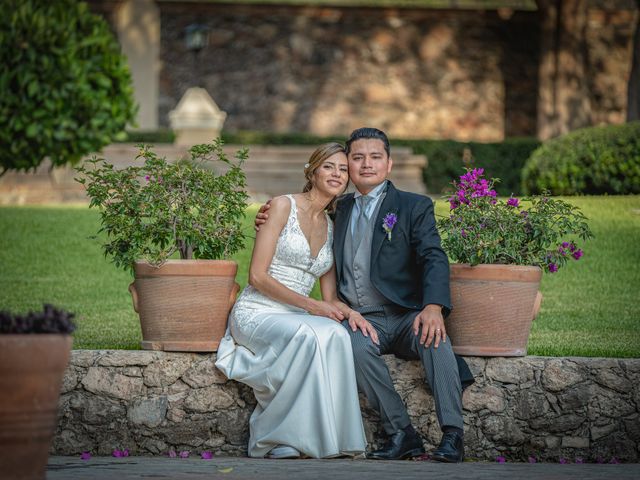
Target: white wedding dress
[[300, 366]]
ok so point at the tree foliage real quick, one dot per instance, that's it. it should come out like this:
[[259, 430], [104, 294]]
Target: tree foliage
[[65, 87]]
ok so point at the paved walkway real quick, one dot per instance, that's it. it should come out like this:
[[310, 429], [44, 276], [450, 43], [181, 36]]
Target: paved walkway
[[233, 468]]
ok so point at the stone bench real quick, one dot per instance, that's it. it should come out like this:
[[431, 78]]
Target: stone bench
[[152, 402]]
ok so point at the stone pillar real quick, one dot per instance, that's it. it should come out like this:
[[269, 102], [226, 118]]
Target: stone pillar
[[564, 99], [196, 118], [138, 27]]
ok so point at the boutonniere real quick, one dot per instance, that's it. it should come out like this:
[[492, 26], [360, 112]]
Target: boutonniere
[[388, 222]]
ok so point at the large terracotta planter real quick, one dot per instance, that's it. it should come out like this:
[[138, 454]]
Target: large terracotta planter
[[184, 304], [493, 308], [31, 371]]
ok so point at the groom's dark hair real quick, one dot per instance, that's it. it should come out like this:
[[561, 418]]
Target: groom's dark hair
[[365, 133]]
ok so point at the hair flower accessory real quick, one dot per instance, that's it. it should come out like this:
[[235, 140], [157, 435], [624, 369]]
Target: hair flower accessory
[[389, 221]]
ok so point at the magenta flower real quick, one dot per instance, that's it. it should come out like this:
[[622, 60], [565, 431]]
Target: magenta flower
[[501, 459], [553, 268], [185, 454], [533, 460], [147, 177], [513, 202], [577, 254], [85, 455], [117, 453], [206, 455]]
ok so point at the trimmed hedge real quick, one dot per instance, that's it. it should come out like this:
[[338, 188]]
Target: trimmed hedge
[[447, 160], [594, 160]]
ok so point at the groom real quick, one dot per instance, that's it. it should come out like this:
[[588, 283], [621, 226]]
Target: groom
[[393, 272]]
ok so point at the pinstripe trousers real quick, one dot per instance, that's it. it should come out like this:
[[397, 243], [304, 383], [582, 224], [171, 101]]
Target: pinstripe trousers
[[395, 333]]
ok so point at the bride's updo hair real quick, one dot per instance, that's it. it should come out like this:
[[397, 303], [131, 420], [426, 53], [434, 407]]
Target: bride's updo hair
[[316, 159]]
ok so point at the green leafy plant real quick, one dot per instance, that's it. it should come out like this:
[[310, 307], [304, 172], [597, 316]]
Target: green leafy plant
[[152, 211], [539, 230], [594, 160], [65, 87]]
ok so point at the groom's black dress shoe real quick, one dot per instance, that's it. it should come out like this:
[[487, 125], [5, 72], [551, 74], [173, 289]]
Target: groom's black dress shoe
[[451, 448], [401, 444]]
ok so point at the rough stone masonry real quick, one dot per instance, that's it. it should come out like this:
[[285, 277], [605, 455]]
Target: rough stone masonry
[[549, 408]]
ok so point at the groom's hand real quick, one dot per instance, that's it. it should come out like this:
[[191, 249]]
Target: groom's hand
[[357, 321], [432, 323], [262, 215]]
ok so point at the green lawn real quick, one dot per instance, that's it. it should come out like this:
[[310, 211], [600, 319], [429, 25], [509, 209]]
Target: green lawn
[[590, 308]]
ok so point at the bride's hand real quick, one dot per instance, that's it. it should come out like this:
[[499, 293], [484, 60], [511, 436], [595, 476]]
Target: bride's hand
[[262, 215], [326, 309], [357, 321]]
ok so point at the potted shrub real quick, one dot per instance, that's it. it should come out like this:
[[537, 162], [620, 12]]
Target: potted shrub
[[34, 353], [502, 247], [156, 211]]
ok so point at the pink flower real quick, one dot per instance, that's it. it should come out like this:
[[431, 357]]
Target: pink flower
[[185, 454], [85, 455], [206, 455]]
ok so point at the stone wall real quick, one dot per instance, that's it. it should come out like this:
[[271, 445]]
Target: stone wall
[[153, 402], [461, 74]]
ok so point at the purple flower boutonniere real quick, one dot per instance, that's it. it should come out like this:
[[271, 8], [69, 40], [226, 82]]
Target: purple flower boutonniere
[[389, 221]]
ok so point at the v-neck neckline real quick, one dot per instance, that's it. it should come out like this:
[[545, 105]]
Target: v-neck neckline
[[294, 208]]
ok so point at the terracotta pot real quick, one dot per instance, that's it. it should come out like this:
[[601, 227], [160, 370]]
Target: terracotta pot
[[31, 371], [493, 308], [184, 304]]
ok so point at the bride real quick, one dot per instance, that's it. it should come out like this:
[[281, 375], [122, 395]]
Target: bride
[[290, 348]]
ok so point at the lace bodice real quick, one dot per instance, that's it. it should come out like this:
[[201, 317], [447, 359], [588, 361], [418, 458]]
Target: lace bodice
[[292, 265]]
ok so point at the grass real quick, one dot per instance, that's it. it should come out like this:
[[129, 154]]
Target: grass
[[590, 307]]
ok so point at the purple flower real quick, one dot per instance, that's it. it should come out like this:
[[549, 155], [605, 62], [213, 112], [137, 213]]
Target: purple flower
[[389, 221], [206, 455], [532, 459], [117, 453], [513, 202], [553, 268], [172, 454], [572, 247], [524, 213], [579, 460], [562, 251], [463, 233], [577, 254], [185, 454], [565, 245], [85, 456], [125, 452], [599, 460], [501, 459], [614, 460], [147, 177], [563, 461]]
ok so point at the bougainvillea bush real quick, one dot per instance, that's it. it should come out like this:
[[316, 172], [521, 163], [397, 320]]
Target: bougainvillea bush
[[481, 228]]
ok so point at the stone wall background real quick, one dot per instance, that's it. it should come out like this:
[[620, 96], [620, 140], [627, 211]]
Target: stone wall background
[[416, 73], [153, 402]]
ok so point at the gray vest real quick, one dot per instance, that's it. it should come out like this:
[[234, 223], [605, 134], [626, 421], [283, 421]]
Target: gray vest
[[355, 285]]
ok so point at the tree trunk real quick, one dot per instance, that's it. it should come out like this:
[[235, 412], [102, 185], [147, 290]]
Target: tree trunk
[[563, 98], [633, 92]]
